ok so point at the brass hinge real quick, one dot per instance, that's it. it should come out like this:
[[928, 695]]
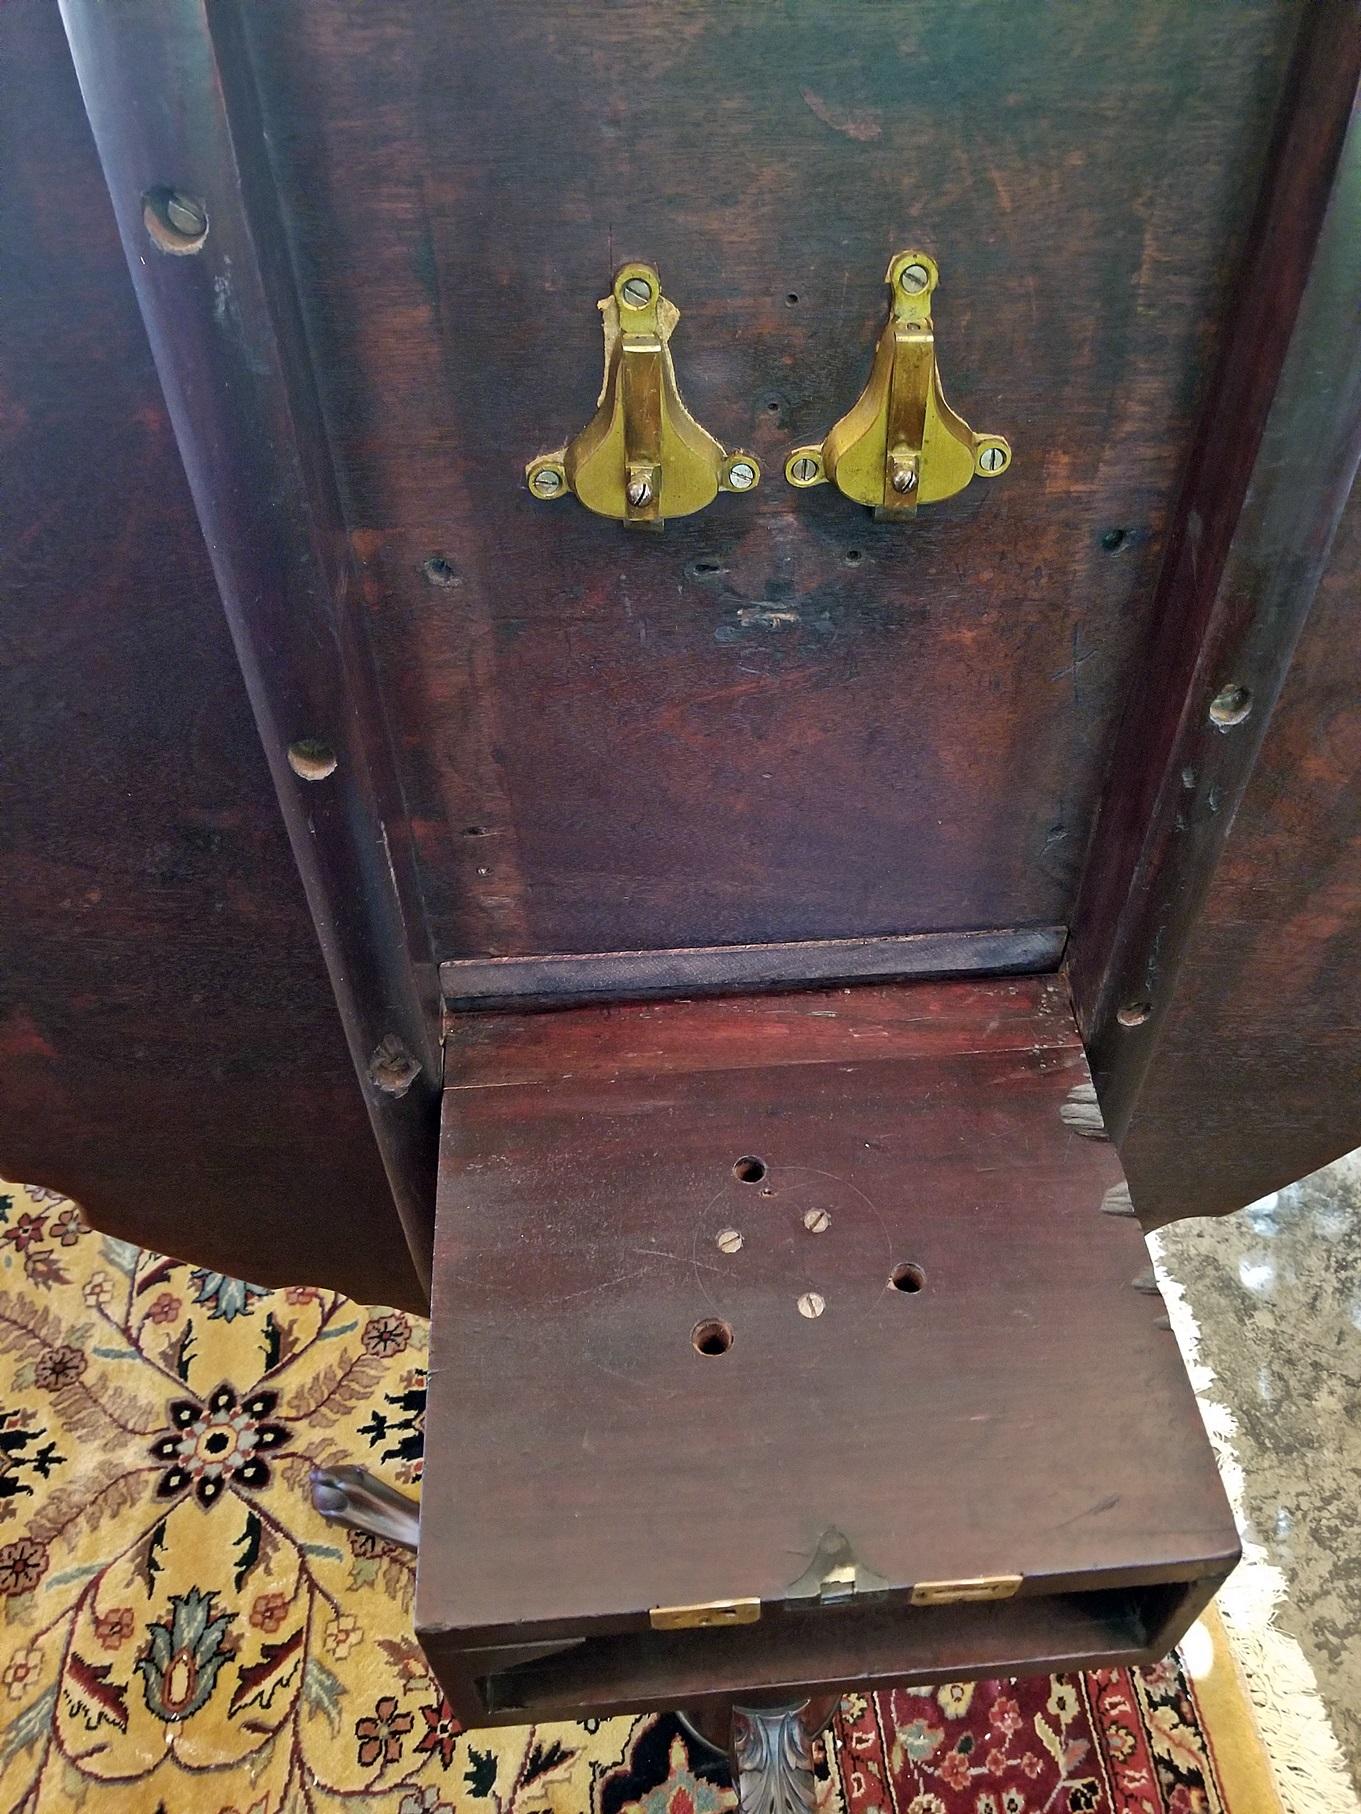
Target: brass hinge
[[711, 1612], [953, 1593]]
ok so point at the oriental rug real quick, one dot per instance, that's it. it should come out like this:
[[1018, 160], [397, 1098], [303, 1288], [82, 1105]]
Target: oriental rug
[[182, 1632]]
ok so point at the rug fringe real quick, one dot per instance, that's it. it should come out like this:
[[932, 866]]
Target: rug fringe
[[1311, 1773]]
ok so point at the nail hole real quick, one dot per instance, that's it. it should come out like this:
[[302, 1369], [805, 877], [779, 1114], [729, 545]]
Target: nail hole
[[1230, 706], [1134, 1013], [712, 1336], [439, 570], [749, 1170], [1114, 539], [907, 1277], [773, 407], [310, 759], [474, 831], [792, 298], [853, 557], [706, 566], [392, 1069], [176, 222]]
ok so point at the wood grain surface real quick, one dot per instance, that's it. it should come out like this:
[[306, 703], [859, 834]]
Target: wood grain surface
[[1024, 1410], [170, 1052], [553, 981], [1274, 461], [777, 720], [1257, 1075]]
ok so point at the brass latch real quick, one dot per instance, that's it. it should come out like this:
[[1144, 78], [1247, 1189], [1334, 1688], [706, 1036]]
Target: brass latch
[[710, 1612], [957, 1593], [642, 457], [901, 444]]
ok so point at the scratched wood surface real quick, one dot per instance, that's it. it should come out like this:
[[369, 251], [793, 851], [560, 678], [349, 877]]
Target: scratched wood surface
[[776, 720], [1024, 1410], [1266, 1003], [170, 1051]]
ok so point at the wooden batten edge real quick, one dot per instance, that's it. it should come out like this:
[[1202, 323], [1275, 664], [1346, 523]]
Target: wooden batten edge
[[563, 979]]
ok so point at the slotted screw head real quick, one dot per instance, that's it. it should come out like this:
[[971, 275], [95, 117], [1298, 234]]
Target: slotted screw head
[[913, 279], [741, 475], [639, 492], [637, 292], [729, 1240], [547, 482], [812, 1303], [992, 459], [185, 214], [804, 470], [816, 1221], [904, 479]]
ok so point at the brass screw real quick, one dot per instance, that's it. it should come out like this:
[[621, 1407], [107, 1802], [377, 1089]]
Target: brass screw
[[812, 1303], [186, 215], [637, 292], [804, 470], [741, 475], [904, 479], [547, 482], [639, 492], [816, 1221], [729, 1240], [914, 279], [991, 459]]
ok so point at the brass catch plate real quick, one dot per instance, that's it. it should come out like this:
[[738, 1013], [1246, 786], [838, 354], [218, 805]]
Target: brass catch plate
[[955, 1593], [712, 1612]]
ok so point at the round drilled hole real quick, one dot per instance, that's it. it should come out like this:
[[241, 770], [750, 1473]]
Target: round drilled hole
[[1230, 706], [907, 1277], [854, 557], [792, 298], [175, 222], [750, 1170], [439, 570], [1134, 1013], [1114, 539], [311, 760], [712, 1336]]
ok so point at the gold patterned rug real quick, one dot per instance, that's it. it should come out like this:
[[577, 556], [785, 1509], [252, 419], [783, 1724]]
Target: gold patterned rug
[[182, 1632]]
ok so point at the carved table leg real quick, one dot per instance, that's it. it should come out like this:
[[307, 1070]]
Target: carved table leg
[[360, 1501], [772, 1749]]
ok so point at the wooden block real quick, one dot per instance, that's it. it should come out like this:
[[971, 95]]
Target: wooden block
[[808, 1301]]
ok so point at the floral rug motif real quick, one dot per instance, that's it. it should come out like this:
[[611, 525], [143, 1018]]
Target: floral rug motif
[[182, 1632]]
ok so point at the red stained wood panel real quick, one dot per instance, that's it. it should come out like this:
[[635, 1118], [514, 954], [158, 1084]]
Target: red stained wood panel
[[777, 720], [1023, 1409], [170, 1052]]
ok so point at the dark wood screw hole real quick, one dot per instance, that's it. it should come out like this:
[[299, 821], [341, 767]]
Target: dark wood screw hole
[[311, 760], [1230, 706], [749, 1170], [1114, 539], [907, 1277], [439, 570], [175, 222], [853, 557], [791, 299], [712, 1336]]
